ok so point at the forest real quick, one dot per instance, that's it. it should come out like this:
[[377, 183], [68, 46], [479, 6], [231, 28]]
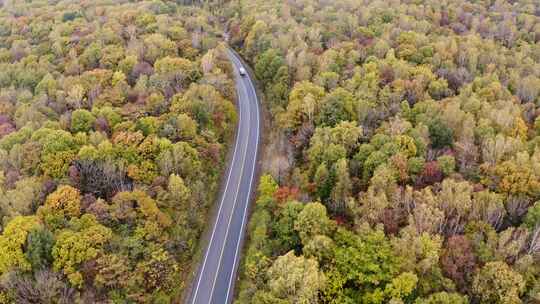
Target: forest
[[115, 118], [401, 162], [404, 164]]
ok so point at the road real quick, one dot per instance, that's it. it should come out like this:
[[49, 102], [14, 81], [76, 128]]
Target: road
[[214, 283]]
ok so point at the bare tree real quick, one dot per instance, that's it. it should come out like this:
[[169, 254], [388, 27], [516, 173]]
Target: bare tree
[[517, 207], [44, 287], [102, 179]]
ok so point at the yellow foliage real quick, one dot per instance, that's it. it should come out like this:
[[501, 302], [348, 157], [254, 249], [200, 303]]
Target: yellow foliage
[[158, 270], [5, 299], [56, 164], [146, 208], [145, 172], [520, 128], [65, 201], [72, 248], [149, 147], [515, 179], [406, 144], [128, 138], [12, 242]]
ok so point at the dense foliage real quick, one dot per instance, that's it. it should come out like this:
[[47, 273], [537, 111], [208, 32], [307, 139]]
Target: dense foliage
[[113, 122], [408, 164]]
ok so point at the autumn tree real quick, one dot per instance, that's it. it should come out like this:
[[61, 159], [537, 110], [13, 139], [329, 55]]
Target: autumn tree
[[61, 205], [496, 282], [311, 221], [108, 132], [458, 261], [295, 279], [285, 229], [12, 241], [444, 298], [342, 189], [80, 243], [82, 121]]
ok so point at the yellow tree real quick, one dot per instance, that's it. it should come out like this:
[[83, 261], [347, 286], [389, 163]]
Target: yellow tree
[[82, 242], [12, 242], [61, 205]]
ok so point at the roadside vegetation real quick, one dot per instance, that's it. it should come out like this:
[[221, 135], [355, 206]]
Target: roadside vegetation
[[114, 119], [409, 165]]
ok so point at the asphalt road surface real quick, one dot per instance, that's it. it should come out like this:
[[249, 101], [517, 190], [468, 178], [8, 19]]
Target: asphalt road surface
[[214, 283]]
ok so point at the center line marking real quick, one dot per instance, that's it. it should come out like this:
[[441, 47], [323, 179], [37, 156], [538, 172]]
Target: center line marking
[[220, 205], [249, 194], [235, 200]]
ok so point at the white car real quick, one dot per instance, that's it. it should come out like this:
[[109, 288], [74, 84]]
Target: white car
[[242, 71]]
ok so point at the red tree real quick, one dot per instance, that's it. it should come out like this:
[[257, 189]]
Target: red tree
[[458, 261], [285, 194], [431, 174]]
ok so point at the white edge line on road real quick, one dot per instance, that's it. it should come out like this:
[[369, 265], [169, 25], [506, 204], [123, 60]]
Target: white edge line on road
[[235, 198], [249, 194], [220, 206]]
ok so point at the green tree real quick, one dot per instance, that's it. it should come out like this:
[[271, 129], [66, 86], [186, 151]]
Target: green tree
[[111, 56], [311, 221], [147, 125], [48, 85], [177, 71], [362, 262], [267, 66], [336, 107], [278, 90], [91, 56], [38, 250], [82, 121], [321, 248], [254, 44], [402, 286], [295, 279], [181, 159], [267, 187], [532, 219], [58, 150], [22, 199], [447, 163], [324, 181], [420, 254], [342, 189], [441, 135], [284, 227], [187, 127]]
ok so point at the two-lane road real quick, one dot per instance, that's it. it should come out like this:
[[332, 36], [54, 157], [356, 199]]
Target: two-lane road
[[214, 283]]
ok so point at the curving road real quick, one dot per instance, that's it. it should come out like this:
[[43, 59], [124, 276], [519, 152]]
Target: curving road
[[214, 283]]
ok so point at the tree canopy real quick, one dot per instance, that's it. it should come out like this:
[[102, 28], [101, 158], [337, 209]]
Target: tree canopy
[[115, 119], [414, 124]]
